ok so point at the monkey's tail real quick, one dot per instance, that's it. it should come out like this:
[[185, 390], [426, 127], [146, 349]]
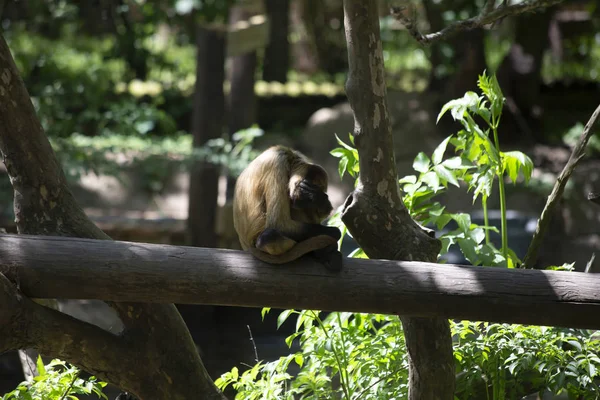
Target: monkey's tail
[[300, 249]]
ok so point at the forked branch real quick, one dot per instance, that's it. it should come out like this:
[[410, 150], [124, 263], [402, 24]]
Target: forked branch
[[489, 14]]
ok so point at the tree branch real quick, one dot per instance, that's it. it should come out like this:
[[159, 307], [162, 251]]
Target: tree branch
[[557, 191], [26, 324], [46, 267], [489, 14]]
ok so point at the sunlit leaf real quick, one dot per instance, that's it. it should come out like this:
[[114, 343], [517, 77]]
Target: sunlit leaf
[[283, 317], [421, 163], [445, 175], [438, 153]]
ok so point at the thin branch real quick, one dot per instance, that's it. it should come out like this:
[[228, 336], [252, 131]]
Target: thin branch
[[557, 191], [253, 343], [490, 14]]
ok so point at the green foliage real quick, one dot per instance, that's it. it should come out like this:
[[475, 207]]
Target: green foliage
[[56, 381], [362, 356], [344, 355], [73, 84], [154, 157], [482, 152], [515, 360]]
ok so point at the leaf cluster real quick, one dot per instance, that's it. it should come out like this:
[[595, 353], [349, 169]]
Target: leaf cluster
[[57, 381], [342, 355], [511, 361]]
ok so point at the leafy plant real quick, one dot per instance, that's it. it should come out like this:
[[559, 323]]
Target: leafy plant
[[56, 381], [475, 147], [511, 361], [362, 356], [342, 355]]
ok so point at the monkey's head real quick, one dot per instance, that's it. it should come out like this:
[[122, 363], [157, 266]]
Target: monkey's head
[[308, 193]]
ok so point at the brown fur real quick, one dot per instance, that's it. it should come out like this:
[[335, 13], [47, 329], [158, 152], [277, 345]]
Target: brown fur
[[262, 199]]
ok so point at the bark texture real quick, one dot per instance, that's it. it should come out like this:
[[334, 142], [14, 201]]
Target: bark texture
[[375, 214], [155, 357], [49, 267]]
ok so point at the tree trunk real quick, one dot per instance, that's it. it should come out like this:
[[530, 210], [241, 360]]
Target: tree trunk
[[520, 77], [154, 357], [242, 101], [375, 214], [276, 61], [470, 58], [207, 124]]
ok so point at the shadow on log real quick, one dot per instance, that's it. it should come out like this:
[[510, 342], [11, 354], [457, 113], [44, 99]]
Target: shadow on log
[[54, 267]]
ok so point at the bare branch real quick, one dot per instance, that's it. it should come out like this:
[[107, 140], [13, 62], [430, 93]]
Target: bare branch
[[489, 14], [557, 191]]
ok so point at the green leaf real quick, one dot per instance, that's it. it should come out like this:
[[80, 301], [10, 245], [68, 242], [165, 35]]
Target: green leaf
[[432, 180], [498, 102], [358, 253], [40, 366], [463, 220], [339, 152], [438, 153], [299, 358], [342, 166], [408, 179], [421, 163], [575, 344], [458, 107], [283, 317], [455, 163], [445, 174], [264, 312], [443, 220], [515, 162], [341, 143]]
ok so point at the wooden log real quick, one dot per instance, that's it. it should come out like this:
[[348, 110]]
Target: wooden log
[[68, 268]]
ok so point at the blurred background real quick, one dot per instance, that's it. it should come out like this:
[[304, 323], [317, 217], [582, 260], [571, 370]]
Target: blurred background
[[153, 108]]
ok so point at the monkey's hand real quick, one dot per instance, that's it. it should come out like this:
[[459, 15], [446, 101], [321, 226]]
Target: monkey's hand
[[330, 257]]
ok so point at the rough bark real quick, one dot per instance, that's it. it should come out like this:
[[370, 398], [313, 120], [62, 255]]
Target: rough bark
[[277, 53], [207, 124], [375, 214], [123, 271], [155, 357]]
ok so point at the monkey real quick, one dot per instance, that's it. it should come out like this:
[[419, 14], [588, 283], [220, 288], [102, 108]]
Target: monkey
[[279, 203]]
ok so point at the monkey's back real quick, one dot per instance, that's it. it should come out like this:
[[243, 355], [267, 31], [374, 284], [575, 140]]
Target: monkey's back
[[266, 176]]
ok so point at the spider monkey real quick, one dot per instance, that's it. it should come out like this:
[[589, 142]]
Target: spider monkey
[[279, 203]]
